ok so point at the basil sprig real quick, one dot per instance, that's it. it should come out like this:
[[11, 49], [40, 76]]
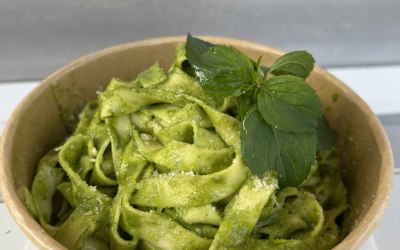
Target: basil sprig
[[281, 114]]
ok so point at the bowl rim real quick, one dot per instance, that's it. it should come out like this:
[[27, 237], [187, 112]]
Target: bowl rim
[[44, 241]]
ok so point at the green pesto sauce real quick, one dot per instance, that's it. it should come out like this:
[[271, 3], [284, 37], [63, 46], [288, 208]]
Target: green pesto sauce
[[156, 163]]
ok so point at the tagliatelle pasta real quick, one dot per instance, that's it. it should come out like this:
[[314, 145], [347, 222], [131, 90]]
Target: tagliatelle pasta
[[156, 164]]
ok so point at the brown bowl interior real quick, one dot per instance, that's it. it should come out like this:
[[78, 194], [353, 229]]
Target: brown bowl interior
[[42, 120]]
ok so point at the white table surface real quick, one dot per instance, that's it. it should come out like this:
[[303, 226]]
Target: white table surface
[[378, 86]]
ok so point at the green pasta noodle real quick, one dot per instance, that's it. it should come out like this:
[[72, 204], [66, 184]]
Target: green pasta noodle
[[156, 163]]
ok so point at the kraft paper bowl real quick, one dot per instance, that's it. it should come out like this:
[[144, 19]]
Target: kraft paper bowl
[[44, 117]]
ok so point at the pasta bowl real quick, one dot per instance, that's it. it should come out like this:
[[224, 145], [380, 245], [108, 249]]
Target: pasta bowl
[[43, 119]]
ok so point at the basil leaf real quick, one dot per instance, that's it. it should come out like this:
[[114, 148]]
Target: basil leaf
[[289, 104], [257, 64], [290, 155], [259, 147], [297, 154], [244, 105], [296, 63], [327, 137], [247, 101], [195, 48], [224, 70], [258, 67], [261, 72]]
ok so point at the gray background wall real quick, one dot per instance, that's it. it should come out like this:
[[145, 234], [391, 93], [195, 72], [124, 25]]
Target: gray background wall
[[39, 36]]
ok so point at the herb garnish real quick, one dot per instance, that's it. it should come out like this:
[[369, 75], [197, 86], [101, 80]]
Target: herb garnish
[[279, 110]]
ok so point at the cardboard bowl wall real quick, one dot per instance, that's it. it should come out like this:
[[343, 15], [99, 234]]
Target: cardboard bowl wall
[[42, 120]]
